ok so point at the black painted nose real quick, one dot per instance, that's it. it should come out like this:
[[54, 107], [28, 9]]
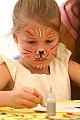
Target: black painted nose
[[41, 52]]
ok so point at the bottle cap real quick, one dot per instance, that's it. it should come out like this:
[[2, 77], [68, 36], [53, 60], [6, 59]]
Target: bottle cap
[[51, 93]]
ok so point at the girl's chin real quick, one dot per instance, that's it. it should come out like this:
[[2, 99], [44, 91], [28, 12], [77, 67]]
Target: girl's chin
[[41, 66]]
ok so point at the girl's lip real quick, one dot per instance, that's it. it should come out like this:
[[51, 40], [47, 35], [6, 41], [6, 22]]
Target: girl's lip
[[41, 60]]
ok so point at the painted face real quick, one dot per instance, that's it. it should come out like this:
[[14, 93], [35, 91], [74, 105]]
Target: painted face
[[38, 45]]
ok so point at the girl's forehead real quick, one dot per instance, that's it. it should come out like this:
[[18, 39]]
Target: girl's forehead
[[40, 30]]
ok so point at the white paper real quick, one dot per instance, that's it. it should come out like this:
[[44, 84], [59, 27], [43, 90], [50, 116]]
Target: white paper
[[68, 107], [40, 108], [61, 107]]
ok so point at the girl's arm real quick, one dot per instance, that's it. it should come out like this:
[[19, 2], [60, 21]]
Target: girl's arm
[[74, 72], [20, 98], [6, 82]]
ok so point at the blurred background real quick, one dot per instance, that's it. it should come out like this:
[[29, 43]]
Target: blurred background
[[7, 45]]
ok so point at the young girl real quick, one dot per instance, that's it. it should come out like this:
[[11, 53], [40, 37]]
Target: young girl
[[43, 62]]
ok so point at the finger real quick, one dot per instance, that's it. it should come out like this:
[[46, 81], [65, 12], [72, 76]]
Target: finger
[[23, 103], [33, 91], [29, 104], [31, 97]]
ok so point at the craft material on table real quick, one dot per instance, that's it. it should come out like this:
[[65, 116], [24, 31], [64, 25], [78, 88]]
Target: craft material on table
[[7, 113]]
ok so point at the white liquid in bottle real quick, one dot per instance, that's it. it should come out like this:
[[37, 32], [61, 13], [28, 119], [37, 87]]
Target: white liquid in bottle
[[51, 104]]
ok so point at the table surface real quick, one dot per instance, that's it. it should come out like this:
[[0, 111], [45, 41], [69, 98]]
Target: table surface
[[7, 113]]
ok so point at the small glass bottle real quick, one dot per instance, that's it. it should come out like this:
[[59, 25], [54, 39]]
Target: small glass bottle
[[51, 104]]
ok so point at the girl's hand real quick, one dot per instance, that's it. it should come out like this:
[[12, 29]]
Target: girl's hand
[[24, 98]]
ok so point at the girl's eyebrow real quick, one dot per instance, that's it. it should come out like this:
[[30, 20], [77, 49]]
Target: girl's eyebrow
[[49, 33], [29, 33]]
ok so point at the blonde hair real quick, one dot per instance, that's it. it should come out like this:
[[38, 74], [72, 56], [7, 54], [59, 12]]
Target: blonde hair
[[45, 12]]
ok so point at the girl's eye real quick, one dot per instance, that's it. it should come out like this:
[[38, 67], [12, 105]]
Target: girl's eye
[[32, 42], [49, 41]]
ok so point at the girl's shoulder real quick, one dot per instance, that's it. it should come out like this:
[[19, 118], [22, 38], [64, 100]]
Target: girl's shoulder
[[62, 49], [14, 67], [63, 54], [10, 65]]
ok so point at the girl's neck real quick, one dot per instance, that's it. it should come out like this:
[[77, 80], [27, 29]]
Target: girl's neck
[[34, 70]]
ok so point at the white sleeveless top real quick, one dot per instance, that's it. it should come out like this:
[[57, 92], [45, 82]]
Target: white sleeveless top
[[58, 78]]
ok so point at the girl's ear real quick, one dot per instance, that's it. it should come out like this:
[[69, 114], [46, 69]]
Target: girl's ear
[[15, 37]]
